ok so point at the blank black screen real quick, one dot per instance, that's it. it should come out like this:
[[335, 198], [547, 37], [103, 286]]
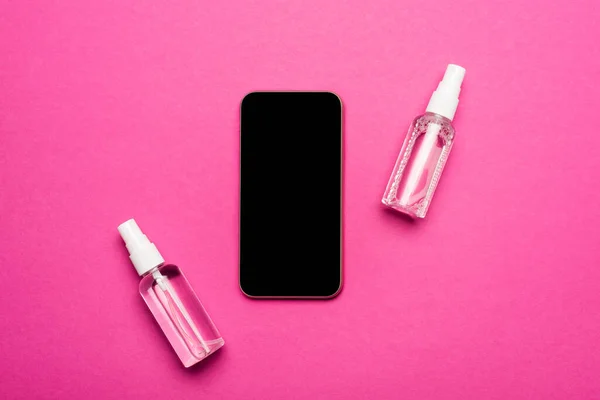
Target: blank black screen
[[290, 216]]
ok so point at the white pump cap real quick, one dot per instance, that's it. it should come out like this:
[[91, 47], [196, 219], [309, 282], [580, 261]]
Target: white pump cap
[[143, 254], [444, 100]]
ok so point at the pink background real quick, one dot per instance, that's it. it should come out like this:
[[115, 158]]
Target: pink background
[[114, 109]]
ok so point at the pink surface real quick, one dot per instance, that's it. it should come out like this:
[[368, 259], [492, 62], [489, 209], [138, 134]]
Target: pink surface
[[116, 109]]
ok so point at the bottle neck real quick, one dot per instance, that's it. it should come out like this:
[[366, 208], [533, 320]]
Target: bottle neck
[[440, 119], [442, 104], [152, 270], [145, 258]]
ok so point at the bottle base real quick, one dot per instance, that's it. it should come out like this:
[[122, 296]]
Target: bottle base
[[412, 211], [213, 346]]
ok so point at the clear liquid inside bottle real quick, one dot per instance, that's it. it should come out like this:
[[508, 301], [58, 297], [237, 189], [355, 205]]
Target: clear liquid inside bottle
[[180, 314], [419, 165]]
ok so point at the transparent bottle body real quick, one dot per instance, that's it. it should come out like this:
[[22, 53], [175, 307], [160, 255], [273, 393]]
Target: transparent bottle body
[[419, 165], [180, 314]]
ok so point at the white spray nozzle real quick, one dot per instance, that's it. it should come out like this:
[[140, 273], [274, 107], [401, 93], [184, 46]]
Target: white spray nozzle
[[444, 100], [132, 235], [143, 254], [452, 79]]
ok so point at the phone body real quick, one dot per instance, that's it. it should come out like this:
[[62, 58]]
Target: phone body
[[291, 168]]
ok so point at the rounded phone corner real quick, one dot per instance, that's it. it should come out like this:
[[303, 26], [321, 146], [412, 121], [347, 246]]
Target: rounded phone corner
[[247, 96], [244, 292], [335, 97], [336, 293]]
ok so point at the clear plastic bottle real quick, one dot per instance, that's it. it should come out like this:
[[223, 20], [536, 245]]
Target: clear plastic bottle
[[425, 150], [171, 299]]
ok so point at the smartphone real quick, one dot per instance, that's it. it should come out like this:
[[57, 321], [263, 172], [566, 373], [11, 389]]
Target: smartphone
[[291, 195]]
